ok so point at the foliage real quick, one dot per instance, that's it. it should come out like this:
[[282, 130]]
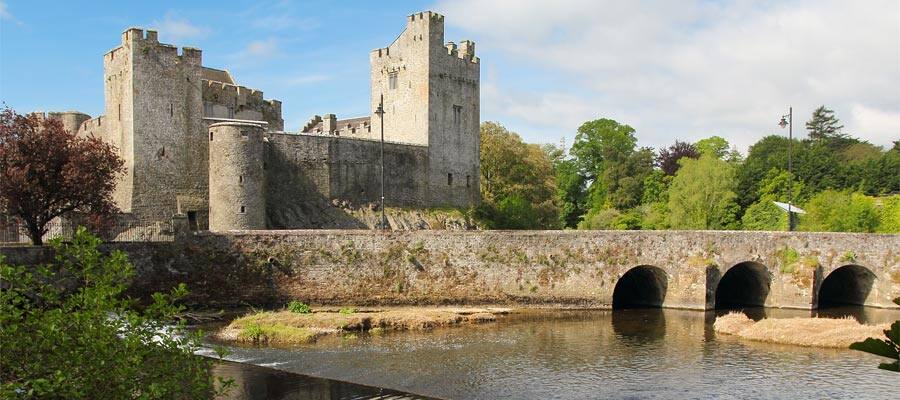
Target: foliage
[[889, 347], [347, 311], [667, 160], [571, 191], [764, 215], [840, 211], [715, 146], [605, 152], [824, 125], [67, 332], [889, 214], [602, 219], [516, 178], [299, 307], [47, 172], [701, 195]]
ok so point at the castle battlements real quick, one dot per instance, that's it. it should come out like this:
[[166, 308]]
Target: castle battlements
[[196, 142]]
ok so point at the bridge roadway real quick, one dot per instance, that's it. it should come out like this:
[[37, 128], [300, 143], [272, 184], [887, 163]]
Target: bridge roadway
[[677, 269]]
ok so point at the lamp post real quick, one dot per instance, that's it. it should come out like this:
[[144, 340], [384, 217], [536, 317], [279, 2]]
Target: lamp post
[[789, 122], [380, 112]]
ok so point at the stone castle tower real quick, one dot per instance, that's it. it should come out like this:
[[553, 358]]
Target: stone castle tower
[[197, 144], [431, 98]]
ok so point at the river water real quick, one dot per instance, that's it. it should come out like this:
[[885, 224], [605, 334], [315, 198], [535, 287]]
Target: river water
[[629, 354]]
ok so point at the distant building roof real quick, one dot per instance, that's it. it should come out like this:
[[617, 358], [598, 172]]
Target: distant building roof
[[218, 75]]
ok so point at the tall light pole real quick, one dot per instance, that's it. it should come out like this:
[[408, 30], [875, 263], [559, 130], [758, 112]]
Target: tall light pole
[[380, 112], [789, 122]]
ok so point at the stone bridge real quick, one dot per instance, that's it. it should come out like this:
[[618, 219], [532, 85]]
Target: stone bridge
[[677, 269]]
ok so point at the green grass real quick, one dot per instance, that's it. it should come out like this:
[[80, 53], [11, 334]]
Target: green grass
[[276, 333]]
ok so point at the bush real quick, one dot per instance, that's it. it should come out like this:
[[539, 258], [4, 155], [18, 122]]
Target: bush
[[299, 307], [840, 211], [347, 311], [67, 332]]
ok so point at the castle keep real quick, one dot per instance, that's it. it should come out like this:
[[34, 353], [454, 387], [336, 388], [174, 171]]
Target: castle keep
[[196, 143]]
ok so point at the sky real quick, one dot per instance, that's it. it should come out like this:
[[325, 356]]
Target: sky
[[670, 69]]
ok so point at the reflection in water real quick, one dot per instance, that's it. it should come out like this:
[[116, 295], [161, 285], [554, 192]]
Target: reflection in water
[[642, 325], [591, 354], [253, 382]]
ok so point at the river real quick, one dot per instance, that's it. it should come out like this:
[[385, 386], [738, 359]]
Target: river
[[650, 353]]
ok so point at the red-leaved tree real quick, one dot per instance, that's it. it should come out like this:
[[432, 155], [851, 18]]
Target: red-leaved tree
[[48, 172]]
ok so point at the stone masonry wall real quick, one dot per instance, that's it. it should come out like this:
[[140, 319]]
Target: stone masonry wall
[[304, 169], [541, 267]]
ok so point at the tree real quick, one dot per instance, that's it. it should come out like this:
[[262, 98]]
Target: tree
[[764, 215], [47, 172], [824, 125], [570, 188], [69, 333], [605, 152], [889, 214], [667, 160], [512, 169], [715, 146], [840, 211], [701, 195]]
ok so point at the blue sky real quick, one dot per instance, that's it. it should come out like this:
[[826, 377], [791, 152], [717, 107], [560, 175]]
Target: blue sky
[[685, 70]]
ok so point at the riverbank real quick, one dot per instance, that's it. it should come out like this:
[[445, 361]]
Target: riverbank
[[809, 332], [288, 327]]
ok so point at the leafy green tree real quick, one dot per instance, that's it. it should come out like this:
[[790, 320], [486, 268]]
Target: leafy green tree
[[701, 195], [571, 193], [68, 333], [605, 153], [600, 219], [889, 214], [823, 125], [518, 171], [715, 146], [840, 211], [764, 215]]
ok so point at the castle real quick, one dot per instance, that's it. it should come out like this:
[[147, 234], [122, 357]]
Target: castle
[[195, 143]]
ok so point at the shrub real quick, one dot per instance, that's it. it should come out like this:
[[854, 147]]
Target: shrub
[[347, 311], [82, 339], [299, 307]]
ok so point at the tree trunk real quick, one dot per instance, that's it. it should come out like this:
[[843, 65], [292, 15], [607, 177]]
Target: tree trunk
[[35, 233]]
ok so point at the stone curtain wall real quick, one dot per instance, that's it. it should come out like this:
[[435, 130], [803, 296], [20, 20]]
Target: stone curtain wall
[[305, 171], [549, 267]]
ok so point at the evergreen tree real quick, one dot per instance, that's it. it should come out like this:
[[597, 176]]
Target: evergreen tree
[[824, 125]]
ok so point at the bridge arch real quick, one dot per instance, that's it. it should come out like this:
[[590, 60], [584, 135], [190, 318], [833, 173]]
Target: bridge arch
[[643, 286], [847, 285], [746, 284]]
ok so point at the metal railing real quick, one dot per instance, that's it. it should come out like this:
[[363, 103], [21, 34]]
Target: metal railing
[[12, 232]]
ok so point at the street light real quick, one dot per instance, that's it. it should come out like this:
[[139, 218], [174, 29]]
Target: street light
[[380, 112], [788, 120]]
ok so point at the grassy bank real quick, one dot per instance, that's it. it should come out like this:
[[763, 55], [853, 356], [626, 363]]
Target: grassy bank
[[287, 327], [812, 332]]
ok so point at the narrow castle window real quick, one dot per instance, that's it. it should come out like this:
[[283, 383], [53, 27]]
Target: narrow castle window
[[468, 180], [243, 210], [240, 179], [457, 115], [392, 80], [120, 112], [171, 112], [449, 179], [243, 134], [210, 136]]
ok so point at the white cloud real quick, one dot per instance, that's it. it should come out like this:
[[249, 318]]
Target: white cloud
[[5, 15], [688, 69], [176, 30], [255, 53], [874, 125]]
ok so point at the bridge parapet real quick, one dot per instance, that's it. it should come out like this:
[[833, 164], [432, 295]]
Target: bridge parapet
[[700, 269]]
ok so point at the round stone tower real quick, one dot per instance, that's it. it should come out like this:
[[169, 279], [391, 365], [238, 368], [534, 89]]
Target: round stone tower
[[236, 177]]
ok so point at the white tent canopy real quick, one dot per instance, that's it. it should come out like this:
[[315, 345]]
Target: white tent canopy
[[793, 208]]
